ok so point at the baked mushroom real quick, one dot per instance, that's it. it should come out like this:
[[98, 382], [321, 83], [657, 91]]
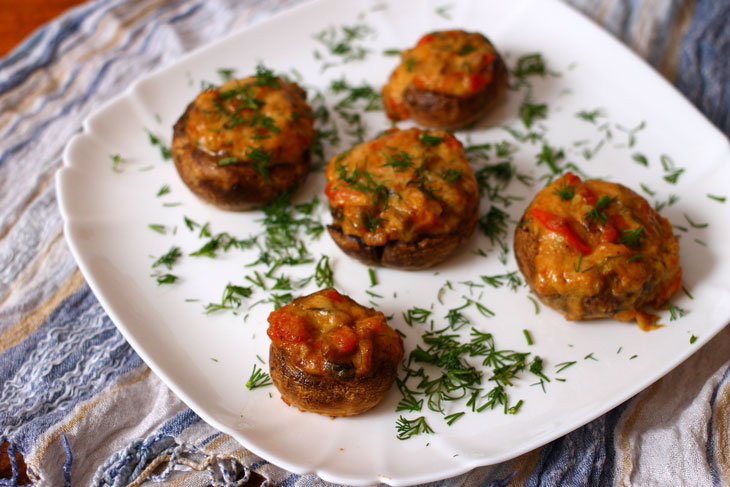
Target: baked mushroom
[[245, 142], [594, 249], [450, 79], [332, 356], [406, 199]]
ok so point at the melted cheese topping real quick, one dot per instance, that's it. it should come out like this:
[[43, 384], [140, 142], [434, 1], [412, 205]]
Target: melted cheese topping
[[402, 186], [328, 333], [451, 62], [647, 266], [246, 121]]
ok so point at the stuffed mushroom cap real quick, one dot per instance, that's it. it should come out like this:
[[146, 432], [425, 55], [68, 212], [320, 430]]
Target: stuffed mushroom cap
[[406, 199], [245, 142], [448, 80], [596, 249]]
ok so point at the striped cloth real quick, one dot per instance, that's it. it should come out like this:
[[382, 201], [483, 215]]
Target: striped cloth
[[79, 407]]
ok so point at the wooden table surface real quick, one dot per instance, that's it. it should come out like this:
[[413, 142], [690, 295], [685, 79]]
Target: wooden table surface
[[18, 19]]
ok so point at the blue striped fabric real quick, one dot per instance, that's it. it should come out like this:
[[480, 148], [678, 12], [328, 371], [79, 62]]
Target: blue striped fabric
[[82, 408]]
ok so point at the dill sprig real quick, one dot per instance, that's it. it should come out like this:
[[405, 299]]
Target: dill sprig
[[408, 428], [258, 378]]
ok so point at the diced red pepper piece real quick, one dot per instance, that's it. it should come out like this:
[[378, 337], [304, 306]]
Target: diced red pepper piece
[[425, 39], [562, 226], [571, 179], [287, 327], [344, 339], [333, 295]]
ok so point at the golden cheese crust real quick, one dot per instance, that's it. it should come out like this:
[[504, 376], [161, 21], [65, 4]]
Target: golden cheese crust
[[406, 199], [448, 80], [594, 249], [245, 142], [332, 356]]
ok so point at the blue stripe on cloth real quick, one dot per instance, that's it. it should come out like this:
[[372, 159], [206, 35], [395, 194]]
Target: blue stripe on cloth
[[22, 51], [710, 447], [184, 15], [181, 421], [44, 102], [704, 66], [584, 457], [93, 85], [74, 355], [67, 28]]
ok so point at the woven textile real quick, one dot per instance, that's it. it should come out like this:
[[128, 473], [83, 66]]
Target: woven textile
[[82, 408]]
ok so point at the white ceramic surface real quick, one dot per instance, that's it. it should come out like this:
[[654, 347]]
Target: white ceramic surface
[[107, 215]]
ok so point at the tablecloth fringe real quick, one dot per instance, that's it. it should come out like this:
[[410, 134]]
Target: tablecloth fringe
[[137, 462]]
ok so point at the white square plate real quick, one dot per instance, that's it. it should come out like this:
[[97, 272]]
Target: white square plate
[[206, 359]]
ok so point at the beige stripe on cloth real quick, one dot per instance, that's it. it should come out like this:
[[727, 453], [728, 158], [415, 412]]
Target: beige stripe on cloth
[[30, 322]]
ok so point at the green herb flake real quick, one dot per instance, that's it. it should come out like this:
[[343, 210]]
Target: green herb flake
[[323, 274], [161, 229], [409, 428], [392, 52], [168, 260], [258, 378], [166, 279], [590, 116], [692, 339], [155, 141], [641, 159], [373, 279], [721, 199], [228, 160], [564, 365], [165, 189], [528, 337], [635, 257], [116, 162], [444, 11], [590, 357], [530, 112], [597, 214], [428, 139], [693, 224], [226, 74], [631, 237], [687, 292]]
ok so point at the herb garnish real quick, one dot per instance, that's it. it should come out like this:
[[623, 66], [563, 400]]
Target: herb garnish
[[693, 224], [529, 112], [631, 238], [323, 275], [591, 116], [231, 298], [163, 190], [164, 150], [641, 159], [116, 162], [407, 428], [721, 199], [161, 229], [429, 139], [226, 74], [566, 193], [342, 43], [167, 260], [258, 378], [596, 214]]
